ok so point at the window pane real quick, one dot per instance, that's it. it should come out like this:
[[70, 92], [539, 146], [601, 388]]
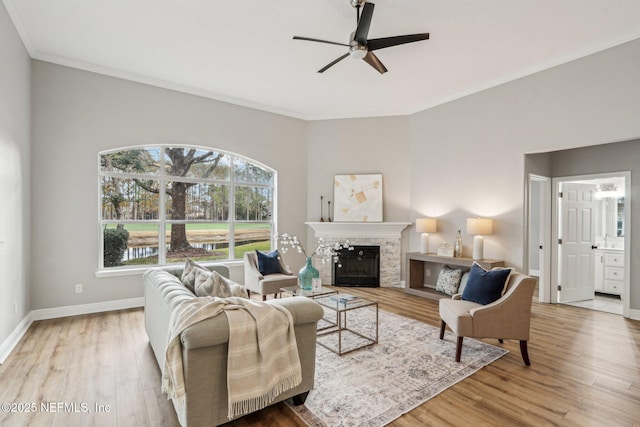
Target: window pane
[[129, 199], [188, 201], [196, 163], [248, 172], [249, 237], [143, 161], [193, 208], [200, 242], [131, 244], [253, 203]]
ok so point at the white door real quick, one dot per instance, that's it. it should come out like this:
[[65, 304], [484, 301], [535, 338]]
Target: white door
[[576, 244]]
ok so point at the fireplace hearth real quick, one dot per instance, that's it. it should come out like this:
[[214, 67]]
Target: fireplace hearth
[[358, 267]]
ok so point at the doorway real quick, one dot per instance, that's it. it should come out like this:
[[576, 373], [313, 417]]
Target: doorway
[[590, 235], [539, 233]]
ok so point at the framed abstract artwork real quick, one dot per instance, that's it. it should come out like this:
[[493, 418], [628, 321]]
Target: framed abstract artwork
[[357, 198]]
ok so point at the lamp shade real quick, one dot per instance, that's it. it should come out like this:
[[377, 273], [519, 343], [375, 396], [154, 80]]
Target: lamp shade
[[426, 225], [479, 226]]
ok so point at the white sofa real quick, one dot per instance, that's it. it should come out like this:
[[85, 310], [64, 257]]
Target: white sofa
[[204, 346]]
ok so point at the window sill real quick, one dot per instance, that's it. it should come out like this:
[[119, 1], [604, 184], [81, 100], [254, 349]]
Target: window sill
[[137, 271]]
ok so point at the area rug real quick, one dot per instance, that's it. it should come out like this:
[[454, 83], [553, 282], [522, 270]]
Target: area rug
[[377, 384]]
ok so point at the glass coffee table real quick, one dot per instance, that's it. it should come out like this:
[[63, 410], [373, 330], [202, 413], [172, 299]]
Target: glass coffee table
[[350, 323], [298, 291]]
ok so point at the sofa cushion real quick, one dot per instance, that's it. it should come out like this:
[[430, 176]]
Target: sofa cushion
[[485, 287], [269, 262], [449, 280]]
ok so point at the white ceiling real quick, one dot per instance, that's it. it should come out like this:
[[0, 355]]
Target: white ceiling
[[242, 51]]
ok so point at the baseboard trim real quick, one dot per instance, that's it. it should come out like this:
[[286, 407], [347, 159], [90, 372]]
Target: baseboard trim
[[14, 338], [76, 310], [7, 346], [634, 314]]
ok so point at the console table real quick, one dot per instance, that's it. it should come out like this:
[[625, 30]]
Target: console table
[[428, 266]]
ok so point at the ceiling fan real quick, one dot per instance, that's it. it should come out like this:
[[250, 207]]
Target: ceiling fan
[[362, 48]]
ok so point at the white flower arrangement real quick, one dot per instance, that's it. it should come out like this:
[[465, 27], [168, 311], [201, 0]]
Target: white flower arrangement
[[328, 251]]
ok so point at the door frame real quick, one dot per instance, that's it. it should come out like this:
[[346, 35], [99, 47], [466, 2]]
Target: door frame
[[544, 206], [553, 283]]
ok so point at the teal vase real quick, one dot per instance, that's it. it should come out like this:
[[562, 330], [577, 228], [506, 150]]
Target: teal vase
[[307, 274]]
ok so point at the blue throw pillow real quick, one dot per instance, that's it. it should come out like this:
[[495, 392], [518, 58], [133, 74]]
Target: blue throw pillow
[[485, 287], [268, 263]]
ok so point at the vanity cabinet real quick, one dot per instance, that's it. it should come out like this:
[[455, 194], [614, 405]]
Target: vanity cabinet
[[609, 271]]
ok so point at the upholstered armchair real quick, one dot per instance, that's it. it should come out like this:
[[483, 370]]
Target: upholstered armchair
[[265, 284], [506, 318]]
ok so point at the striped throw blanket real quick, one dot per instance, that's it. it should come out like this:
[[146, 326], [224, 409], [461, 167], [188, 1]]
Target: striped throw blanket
[[263, 357]]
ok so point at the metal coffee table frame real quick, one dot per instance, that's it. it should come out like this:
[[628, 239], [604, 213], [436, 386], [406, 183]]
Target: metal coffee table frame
[[340, 325]]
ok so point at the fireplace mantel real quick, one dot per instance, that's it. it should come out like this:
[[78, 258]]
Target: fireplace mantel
[[358, 229]]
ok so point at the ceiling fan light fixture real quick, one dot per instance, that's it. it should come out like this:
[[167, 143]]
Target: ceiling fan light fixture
[[357, 51]]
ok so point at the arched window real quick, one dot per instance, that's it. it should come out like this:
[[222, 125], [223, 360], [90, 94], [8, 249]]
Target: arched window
[[161, 204]]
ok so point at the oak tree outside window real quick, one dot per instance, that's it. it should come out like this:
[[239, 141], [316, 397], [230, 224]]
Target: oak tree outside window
[[161, 204]]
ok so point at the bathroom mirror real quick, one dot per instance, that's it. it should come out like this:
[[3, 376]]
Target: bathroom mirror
[[613, 216], [620, 217]]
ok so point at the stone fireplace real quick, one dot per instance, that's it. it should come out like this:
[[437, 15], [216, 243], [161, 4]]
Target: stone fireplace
[[386, 235]]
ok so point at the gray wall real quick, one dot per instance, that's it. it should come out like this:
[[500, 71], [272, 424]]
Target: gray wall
[[371, 145], [15, 70], [461, 159], [467, 157], [76, 114]]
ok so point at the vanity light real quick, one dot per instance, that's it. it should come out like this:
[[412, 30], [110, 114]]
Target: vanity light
[[479, 227], [608, 190], [425, 226]]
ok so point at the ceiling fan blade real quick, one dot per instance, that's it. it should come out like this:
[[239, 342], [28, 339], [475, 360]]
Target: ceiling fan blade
[[364, 23], [318, 40], [373, 60], [326, 67], [375, 44]]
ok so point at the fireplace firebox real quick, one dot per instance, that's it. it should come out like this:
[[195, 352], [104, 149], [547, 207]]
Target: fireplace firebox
[[358, 267]]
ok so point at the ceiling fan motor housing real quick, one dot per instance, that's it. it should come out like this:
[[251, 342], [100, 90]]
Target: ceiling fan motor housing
[[357, 50]]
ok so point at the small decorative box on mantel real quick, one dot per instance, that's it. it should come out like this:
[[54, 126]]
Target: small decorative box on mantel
[[444, 250]]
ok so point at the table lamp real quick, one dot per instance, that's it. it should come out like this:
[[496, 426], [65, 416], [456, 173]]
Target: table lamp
[[479, 227], [425, 226]]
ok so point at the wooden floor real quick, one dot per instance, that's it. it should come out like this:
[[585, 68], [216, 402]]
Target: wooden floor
[[99, 370]]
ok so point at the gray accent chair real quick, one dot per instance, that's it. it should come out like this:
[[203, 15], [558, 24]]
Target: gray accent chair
[[204, 346], [254, 281], [507, 318]]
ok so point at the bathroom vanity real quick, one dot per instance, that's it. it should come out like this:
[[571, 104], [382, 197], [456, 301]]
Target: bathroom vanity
[[609, 271]]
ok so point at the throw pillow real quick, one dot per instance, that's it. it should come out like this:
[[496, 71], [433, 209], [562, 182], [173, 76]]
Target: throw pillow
[[237, 290], [268, 263], [448, 280], [189, 273], [210, 284], [463, 282], [485, 287]]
